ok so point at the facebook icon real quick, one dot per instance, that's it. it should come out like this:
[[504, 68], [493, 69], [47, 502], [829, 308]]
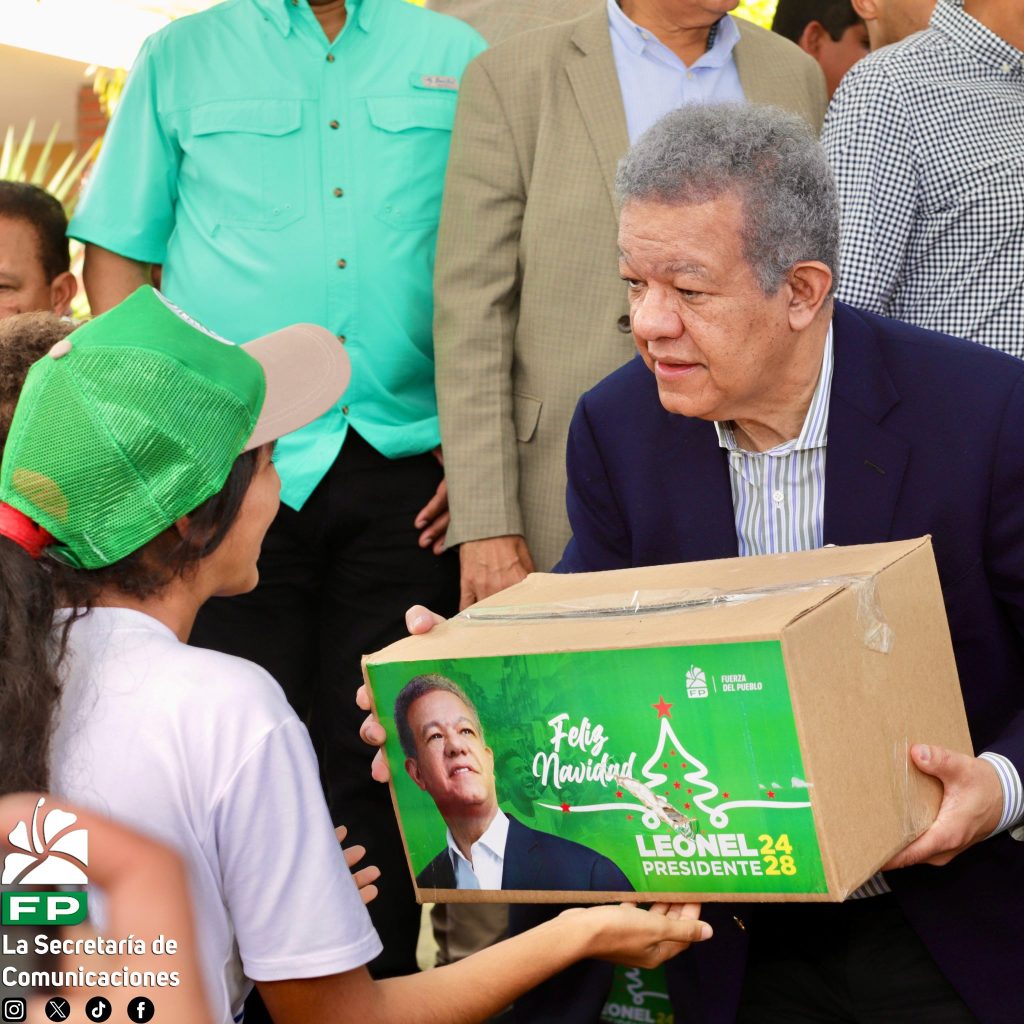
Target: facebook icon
[[141, 1009]]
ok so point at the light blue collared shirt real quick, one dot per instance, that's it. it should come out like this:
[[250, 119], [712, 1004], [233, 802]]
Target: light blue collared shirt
[[654, 80]]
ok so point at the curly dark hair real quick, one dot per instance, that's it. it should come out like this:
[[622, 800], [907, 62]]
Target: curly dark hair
[[24, 339]]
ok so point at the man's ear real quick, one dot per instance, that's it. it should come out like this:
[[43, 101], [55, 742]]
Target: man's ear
[[413, 768], [809, 284], [63, 289], [181, 526], [867, 9], [811, 38]]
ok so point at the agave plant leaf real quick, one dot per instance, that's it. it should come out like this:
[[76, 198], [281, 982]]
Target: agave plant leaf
[[7, 153], [63, 183], [61, 173], [64, 189], [43, 163], [17, 168]]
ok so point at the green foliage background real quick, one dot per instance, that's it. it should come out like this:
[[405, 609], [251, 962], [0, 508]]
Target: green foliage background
[[760, 12]]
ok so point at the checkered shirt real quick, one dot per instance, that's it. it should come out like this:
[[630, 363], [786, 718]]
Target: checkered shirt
[[926, 139]]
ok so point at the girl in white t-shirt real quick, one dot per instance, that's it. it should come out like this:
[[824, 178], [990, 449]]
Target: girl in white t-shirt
[[137, 482]]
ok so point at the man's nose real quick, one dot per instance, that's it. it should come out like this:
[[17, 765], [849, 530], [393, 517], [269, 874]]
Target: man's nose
[[655, 316], [454, 743]]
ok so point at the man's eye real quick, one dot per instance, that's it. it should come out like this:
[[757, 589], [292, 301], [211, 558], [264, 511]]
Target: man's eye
[[632, 283], [688, 294]]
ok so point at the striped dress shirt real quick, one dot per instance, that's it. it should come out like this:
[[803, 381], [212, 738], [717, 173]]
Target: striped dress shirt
[[778, 500]]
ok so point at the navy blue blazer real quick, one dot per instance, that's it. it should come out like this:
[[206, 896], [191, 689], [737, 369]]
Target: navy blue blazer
[[538, 860], [925, 436]]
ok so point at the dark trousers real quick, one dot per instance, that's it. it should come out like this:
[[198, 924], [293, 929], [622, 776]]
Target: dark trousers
[[335, 580], [858, 962]]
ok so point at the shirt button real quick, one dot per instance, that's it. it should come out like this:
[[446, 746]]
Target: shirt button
[[330, 58], [338, 193], [623, 323], [777, 497], [342, 264], [1005, 69], [689, 75], [341, 338], [333, 124], [344, 409]]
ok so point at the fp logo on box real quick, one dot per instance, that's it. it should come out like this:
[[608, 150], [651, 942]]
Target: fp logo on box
[[696, 682], [54, 855]]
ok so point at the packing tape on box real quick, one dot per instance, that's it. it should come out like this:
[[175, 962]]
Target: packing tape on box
[[878, 635], [916, 817]]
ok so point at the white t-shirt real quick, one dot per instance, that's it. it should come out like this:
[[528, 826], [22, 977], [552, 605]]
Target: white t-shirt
[[201, 750]]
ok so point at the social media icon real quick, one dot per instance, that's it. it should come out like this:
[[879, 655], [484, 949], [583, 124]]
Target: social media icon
[[141, 1009], [97, 1009], [57, 1008], [13, 1010]]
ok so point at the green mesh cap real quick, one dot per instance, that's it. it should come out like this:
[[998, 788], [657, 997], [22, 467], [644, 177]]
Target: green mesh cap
[[137, 417]]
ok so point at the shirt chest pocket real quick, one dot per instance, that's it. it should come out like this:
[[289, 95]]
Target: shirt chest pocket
[[248, 161], [413, 134]]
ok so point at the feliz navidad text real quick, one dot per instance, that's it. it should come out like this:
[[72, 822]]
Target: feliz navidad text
[[555, 768]]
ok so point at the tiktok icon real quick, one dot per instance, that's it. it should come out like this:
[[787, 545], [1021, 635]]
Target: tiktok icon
[[97, 1009]]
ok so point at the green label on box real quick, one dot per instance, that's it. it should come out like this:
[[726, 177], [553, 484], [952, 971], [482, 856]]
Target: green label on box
[[681, 765]]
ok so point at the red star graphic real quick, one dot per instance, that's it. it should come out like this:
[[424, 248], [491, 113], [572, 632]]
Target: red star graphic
[[771, 795], [618, 793], [683, 765], [671, 753], [629, 817], [664, 764], [662, 708], [725, 796], [689, 791], [676, 784], [686, 806], [565, 808]]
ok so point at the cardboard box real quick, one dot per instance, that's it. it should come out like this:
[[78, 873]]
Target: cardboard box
[[735, 729]]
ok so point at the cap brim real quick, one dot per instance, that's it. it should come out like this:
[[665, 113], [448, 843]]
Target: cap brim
[[307, 371]]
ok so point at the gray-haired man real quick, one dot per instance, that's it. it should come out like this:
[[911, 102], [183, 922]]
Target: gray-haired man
[[764, 417]]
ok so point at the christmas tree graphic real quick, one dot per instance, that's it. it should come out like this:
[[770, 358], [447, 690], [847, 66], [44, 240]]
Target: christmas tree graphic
[[694, 799]]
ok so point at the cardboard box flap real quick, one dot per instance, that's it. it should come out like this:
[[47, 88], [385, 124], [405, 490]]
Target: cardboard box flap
[[708, 602], [726, 574]]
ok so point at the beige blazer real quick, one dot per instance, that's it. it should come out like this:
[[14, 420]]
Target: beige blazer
[[528, 301], [496, 20]]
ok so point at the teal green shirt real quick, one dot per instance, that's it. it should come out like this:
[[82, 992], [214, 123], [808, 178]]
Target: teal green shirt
[[283, 179]]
